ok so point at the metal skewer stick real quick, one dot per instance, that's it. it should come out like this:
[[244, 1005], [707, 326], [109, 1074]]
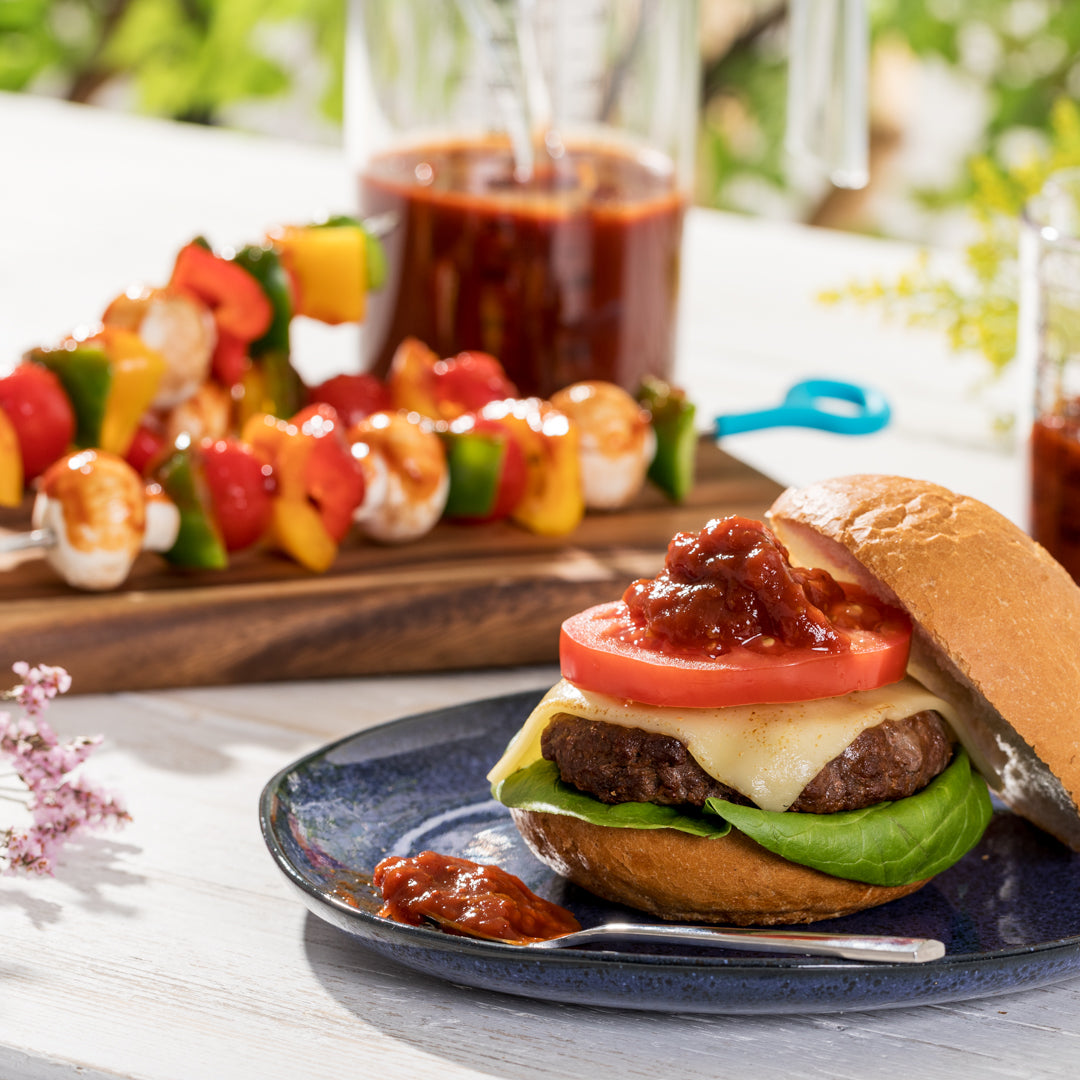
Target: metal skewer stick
[[27, 541]]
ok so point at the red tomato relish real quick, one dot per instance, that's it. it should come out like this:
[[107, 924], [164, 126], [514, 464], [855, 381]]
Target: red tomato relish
[[732, 586], [467, 899]]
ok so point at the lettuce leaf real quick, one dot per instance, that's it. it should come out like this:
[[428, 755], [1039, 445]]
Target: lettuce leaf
[[538, 787], [891, 843]]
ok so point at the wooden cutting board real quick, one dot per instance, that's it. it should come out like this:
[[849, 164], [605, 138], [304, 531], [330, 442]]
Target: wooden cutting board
[[461, 597]]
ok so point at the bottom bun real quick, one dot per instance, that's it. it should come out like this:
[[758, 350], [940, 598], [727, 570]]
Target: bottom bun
[[693, 879]]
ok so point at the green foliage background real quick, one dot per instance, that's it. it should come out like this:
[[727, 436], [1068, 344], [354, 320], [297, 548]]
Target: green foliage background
[[1022, 55], [187, 59]]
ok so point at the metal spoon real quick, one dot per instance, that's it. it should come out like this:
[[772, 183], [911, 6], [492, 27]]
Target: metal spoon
[[897, 950]]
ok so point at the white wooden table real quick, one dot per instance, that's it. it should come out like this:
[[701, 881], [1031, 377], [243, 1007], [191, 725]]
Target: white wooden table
[[173, 948]]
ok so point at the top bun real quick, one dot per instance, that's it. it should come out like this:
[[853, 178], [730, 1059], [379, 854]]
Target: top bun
[[996, 623]]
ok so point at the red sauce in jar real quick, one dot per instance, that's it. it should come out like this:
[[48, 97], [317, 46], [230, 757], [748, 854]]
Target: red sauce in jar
[[1055, 486], [468, 899], [569, 276], [731, 585]]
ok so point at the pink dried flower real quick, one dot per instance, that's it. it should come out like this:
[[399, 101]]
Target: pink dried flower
[[39, 685], [60, 806]]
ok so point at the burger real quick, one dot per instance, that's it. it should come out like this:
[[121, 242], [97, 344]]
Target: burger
[[798, 720]]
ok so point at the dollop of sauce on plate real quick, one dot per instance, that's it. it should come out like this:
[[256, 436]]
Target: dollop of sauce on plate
[[467, 899]]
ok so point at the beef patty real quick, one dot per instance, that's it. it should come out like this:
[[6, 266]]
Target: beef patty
[[617, 764]]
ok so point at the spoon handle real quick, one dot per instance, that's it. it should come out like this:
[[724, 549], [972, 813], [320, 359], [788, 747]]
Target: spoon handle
[[903, 950]]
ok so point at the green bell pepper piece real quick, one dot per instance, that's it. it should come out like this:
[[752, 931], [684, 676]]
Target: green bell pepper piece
[[284, 387], [85, 373], [263, 264], [199, 542], [673, 464], [475, 462]]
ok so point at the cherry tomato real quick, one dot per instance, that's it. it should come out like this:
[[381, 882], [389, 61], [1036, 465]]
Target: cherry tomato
[[353, 397], [470, 380], [601, 650], [40, 413], [241, 490]]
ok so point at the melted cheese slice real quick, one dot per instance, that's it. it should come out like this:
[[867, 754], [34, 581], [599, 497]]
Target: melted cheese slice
[[769, 753]]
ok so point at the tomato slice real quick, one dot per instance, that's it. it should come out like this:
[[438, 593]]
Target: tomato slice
[[600, 649]]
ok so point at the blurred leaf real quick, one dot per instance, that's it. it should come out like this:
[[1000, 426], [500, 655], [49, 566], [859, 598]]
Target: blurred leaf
[[191, 60], [981, 316], [21, 14]]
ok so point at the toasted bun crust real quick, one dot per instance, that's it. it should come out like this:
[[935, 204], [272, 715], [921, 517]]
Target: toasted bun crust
[[688, 878], [997, 622]]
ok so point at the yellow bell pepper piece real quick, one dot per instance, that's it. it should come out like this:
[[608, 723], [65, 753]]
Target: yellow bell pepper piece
[[137, 371], [554, 501], [11, 466], [298, 531], [296, 527], [328, 267]]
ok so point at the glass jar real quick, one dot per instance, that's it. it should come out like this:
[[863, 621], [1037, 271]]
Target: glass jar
[[1049, 346], [533, 159]]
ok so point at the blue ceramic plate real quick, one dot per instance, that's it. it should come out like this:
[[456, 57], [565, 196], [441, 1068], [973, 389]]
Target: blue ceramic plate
[[1009, 912]]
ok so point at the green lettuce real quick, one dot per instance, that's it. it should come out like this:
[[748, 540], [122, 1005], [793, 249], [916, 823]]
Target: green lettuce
[[891, 843]]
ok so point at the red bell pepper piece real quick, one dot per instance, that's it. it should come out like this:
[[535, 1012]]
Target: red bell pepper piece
[[319, 482], [242, 311], [239, 305], [332, 476], [230, 359], [146, 447]]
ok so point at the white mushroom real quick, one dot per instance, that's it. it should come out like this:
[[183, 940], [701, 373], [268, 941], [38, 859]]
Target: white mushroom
[[162, 520], [616, 441], [100, 515], [94, 504], [408, 480]]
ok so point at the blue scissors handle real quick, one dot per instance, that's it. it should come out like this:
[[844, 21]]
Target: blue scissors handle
[[807, 403]]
